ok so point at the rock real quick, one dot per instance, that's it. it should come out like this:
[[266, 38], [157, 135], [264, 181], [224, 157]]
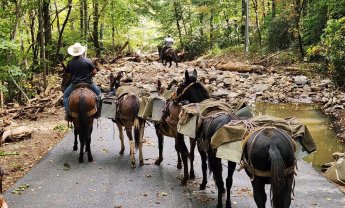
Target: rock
[[300, 80], [220, 93], [228, 81], [259, 88]]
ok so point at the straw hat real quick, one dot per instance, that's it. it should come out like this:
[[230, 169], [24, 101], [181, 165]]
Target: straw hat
[[76, 49]]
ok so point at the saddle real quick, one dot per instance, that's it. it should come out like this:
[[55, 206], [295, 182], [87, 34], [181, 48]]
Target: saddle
[[81, 85]]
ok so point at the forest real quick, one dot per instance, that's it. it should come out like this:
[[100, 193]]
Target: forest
[[35, 34]]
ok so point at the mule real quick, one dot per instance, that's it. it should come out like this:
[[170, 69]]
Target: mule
[[168, 55], [191, 91], [167, 126], [127, 117], [82, 107], [3, 203], [269, 159]]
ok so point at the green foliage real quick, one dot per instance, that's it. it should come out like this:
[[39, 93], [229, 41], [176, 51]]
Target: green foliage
[[196, 47], [333, 45], [279, 36]]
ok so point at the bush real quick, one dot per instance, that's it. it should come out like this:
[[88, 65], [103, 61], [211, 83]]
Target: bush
[[279, 37], [196, 47], [333, 45]]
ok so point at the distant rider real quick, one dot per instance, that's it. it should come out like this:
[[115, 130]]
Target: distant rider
[[80, 70], [168, 42]]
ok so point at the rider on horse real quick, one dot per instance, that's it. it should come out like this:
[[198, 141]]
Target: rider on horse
[[80, 70], [168, 42]]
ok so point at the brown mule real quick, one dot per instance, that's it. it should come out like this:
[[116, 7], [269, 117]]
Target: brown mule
[[167, 126], [127, 116], [82, 107]]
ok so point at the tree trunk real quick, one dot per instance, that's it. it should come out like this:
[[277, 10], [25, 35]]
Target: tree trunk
[[211, 29], [16, 21], [298, 10], [81, 12], [59, 43], [95, 28], [178, 24], [86, 20], [273, 8], [255, 5], [47, 30], [41, 41]]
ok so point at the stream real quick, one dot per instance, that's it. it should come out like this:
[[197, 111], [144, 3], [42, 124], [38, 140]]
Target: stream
[[317, 123]]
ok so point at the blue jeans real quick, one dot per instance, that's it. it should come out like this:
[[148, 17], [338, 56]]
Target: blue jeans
[[70, 89]]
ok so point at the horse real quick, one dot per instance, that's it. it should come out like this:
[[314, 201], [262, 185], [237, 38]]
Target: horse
[[82, 108], [167, 126], [269, 159], [191, 91], [127, 116], [168, 55]]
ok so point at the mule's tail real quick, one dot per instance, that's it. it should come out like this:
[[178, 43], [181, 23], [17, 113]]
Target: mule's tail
[[137, 131], [278, 178], [82, 106]]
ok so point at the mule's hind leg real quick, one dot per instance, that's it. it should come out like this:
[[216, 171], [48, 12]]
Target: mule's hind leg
[[260, 196], [179, 160], [181, 147], [160, 137], [81, 153], [119, 126], [203, 156], [191, 157], [75, 146], [131, 145], [216, 168], [231, 169], [141, 136], [88, 148]]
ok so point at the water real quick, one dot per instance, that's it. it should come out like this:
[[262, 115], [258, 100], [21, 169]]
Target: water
[[317, 123]]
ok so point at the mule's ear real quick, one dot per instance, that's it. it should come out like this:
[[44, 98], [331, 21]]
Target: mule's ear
[[186, 76], [195, 74], [111, 76]]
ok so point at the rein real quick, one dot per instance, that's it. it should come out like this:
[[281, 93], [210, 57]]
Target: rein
[[184, 90]]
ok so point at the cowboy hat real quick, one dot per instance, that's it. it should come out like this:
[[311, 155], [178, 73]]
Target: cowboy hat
[[76, 49]]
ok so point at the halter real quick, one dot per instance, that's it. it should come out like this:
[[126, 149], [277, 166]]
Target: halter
[[185, 89]]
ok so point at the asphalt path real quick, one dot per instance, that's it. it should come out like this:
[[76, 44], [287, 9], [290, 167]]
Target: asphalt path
[[110, 182]]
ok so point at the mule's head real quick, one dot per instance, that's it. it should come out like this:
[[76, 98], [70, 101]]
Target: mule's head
[[115, 81], [191, 91]]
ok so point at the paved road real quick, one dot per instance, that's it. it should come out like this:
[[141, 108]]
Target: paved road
[[110, 182]]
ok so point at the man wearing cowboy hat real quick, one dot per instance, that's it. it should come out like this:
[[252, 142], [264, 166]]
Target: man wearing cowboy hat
[[80, 70]]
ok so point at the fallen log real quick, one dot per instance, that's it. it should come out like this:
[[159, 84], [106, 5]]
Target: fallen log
[[16, 134]]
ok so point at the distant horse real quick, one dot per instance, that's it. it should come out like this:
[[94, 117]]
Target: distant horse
[[269, 159], [191, 91], [127, 116], [168, 55], [167, 126]]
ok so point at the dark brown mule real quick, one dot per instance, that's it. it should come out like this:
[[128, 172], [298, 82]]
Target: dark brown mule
[[82, 107], [168, 55], [167, 126], [66, 80], [3, 203], [127, 116], [269, 159]]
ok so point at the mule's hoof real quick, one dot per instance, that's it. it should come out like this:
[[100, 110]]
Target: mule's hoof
[[158, 161], [219, 205], [81, 160], [141, 163], [179, 166], [121, 152], [90, 159], [202, 186], [228, 204], [75, 148], [184, 181], [191, 175], [133, 165]]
